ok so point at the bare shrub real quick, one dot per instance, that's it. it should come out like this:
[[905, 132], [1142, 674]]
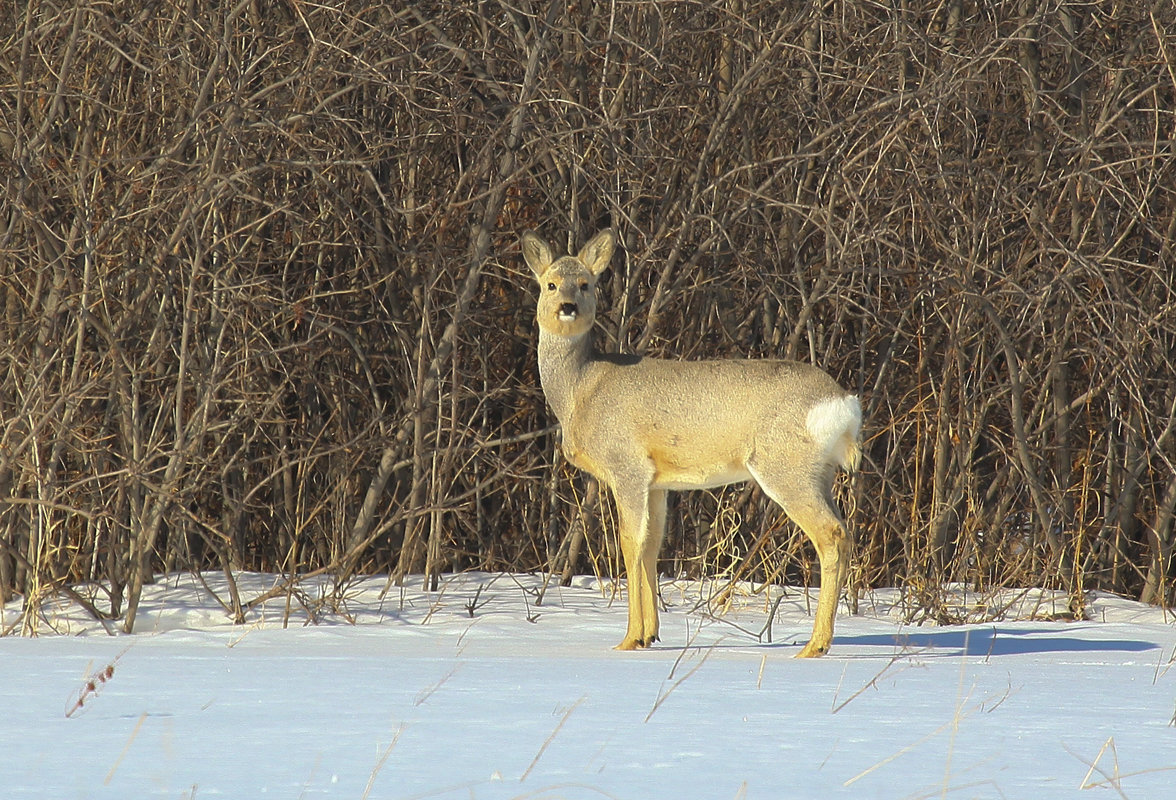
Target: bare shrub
[[261, 304]]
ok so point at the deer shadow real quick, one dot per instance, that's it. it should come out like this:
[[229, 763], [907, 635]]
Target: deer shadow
[[993, 641]]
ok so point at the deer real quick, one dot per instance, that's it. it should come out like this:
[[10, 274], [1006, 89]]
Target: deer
[[647, 426]]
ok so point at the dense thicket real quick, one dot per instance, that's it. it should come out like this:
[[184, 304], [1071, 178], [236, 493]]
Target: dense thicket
[[262, 307]]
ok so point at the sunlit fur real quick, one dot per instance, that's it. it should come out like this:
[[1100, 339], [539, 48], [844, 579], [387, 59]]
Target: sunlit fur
[[645, 426]]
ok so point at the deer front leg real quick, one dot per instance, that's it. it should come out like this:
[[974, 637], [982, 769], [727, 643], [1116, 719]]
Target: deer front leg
[[634, 581], [640, 553], [655, 532]]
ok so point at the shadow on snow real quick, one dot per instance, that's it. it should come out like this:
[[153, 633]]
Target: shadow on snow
[[994, 641]]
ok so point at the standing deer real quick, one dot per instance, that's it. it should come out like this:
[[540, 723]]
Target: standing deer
[[644, 426]]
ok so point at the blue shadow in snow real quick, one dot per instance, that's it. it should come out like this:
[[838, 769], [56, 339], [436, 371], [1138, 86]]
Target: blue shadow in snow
[[995, 641]]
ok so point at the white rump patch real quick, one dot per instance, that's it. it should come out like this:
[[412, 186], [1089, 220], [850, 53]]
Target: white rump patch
[[835, 425]]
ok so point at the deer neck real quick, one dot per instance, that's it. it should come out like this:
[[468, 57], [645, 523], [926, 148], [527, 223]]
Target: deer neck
[[563, 363]]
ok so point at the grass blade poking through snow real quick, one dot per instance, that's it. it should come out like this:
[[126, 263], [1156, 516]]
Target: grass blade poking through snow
[[93, 683], [551, 738], [125, 750], [383, 759], [661, 698]]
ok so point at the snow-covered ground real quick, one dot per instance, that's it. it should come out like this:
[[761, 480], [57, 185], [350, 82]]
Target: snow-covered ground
[[476, 691]]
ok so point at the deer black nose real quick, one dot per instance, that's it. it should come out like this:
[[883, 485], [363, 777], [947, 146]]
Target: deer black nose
[[568, 310]]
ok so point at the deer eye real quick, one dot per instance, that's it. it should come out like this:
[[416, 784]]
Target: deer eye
[[551, 287], [584, 286]]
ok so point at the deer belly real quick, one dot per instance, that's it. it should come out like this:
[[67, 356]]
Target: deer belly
[[671, 473]]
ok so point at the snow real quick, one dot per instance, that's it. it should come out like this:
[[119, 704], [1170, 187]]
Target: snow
[[477, 691]]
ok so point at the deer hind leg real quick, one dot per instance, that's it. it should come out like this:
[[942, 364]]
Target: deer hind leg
[[641, 513], [813, 510], [827, 533]]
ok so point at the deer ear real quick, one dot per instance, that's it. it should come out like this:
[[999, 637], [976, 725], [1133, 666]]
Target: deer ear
[[536, 253], [598, 252]]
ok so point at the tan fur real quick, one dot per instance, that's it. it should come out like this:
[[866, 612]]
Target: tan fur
[[644, 426]]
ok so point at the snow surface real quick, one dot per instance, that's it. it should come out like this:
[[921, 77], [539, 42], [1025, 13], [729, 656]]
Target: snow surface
[[476, 691]]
